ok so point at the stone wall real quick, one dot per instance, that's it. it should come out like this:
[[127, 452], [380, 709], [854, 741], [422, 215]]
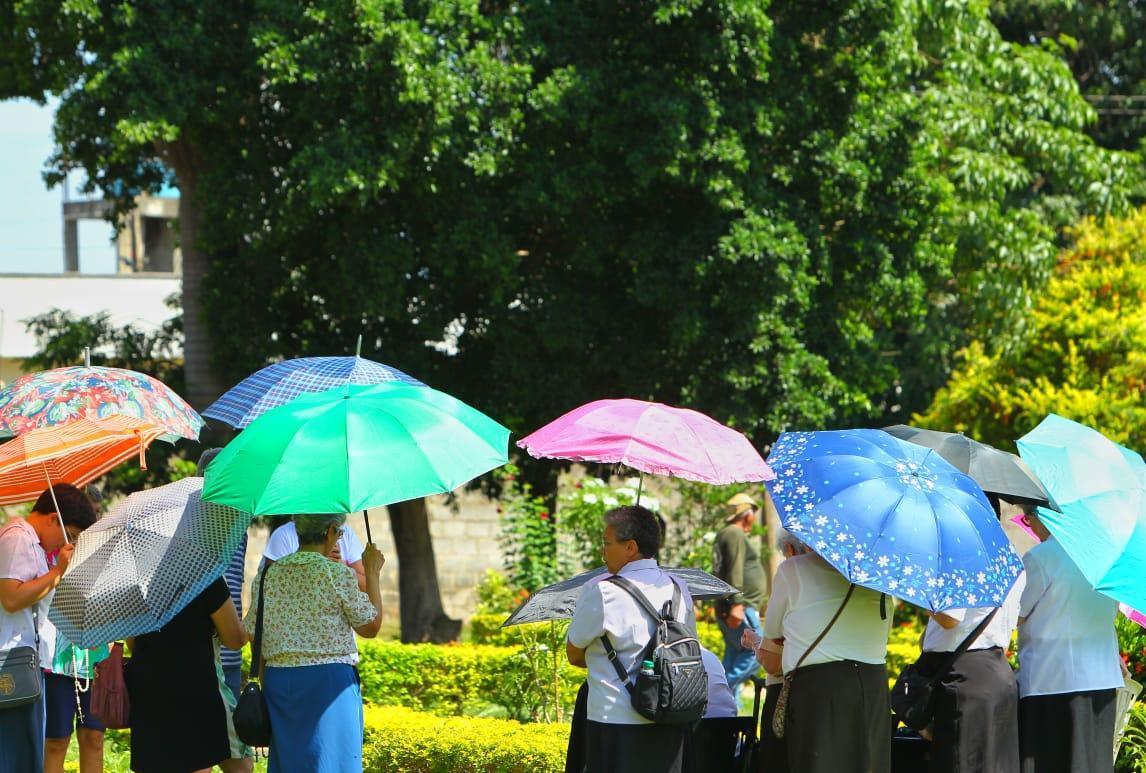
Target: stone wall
[[464, 530]]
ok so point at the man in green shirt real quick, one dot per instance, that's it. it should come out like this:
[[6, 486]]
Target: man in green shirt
[[736, 560]]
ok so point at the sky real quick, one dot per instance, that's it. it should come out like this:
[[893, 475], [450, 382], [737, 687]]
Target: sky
[[31, 227]]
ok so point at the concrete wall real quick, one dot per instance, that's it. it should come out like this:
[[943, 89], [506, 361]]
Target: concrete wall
[[465, 546]]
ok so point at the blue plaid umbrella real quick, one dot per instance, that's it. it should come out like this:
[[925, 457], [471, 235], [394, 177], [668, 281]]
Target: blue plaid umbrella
[[893, 516], [280, 383]]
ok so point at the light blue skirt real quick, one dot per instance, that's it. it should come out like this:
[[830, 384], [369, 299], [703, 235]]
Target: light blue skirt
[[316, 718]]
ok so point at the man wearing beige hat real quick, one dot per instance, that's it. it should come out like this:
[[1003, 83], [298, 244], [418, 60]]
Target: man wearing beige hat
[[736, 560]]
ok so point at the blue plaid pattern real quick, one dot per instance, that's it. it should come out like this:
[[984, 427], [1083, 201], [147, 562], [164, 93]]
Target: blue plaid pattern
[[282, 382]]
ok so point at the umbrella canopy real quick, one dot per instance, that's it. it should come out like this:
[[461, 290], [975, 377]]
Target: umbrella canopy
[[63, 395], [143, 562], [77, 452], [559, 600], [1100, 487], [652, 438], [996, 471], [894, 517], [282, 382], [353, 448]]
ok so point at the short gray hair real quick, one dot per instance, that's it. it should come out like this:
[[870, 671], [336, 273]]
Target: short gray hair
[[786, 539], [311, 529], [633, 522], [205, 459]]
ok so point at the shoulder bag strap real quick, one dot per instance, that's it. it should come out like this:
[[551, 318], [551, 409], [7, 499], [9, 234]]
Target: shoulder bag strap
[[828, 627], [257, 644], [963, 645]]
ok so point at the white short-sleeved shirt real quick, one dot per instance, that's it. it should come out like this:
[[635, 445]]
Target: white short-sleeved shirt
[[721, 701], [1067, 641], [806, 593], [604, 608], [997, 633], [22, 558], [284, 541]]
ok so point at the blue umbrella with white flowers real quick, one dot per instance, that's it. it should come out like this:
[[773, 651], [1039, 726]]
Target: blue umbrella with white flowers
[[894, 517]]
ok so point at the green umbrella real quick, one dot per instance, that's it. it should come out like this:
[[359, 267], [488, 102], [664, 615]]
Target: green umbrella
[[355, 447]]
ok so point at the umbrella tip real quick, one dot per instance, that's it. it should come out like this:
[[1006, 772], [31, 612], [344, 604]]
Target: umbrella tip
[[358, 348], [87, 356]]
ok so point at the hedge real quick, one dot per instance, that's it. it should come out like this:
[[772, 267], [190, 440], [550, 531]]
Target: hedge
[[415, 742], [486, 629]]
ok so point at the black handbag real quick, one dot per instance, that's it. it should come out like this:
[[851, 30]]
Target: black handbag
[[251, 719], [21, 680], [913, 696]]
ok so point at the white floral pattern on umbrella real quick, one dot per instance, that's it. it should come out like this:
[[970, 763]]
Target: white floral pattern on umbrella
[[893, 516]]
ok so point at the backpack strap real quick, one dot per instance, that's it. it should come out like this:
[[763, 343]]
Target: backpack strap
[[668, 613]]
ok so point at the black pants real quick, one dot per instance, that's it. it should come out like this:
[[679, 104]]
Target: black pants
[[772, 752], [636, 748], [1068, 733], [976, 725], [839, 719]]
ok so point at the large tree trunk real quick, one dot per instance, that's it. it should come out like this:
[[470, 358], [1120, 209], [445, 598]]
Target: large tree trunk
[[419, 598], [203, 382]]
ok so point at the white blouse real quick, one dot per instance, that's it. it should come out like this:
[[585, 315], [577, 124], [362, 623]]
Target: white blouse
[[806, 593], [1067, 641], [997, 633]]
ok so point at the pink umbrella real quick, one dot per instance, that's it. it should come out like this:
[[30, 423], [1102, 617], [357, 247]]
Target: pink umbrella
[[652, 438]]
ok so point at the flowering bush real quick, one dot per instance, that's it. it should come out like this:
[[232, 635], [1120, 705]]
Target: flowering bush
[[1132, 646], [581, 507], [528, 533]]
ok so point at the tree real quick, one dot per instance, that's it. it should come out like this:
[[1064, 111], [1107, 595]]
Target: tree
[[1085, 356], [1104, 46]]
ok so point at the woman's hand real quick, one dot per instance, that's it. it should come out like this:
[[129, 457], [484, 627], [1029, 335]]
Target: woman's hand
[[373, 560], [749, 639]]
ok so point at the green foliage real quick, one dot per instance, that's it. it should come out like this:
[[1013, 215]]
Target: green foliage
[[469, 678], [1132, 753], [1105, 49], [528, 533], [400, 739], [496, 596], [782, 215], [697, 514], [1084, 353]]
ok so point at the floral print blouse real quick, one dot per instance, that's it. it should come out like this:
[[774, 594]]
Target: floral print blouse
[[312, 605]]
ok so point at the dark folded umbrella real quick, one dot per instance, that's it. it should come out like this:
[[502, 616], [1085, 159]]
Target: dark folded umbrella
[[996, 472], [557, 601]]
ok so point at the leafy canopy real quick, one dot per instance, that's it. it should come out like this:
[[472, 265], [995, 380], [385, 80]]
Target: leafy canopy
[[1085, 356]]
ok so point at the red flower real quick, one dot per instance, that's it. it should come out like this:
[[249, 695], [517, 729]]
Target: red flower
[[543, 515]]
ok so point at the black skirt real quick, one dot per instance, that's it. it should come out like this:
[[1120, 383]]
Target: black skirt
[[636, 748], [1068, 733], [976, 726], [839, 719]]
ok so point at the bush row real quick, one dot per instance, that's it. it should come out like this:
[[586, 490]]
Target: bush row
[[486, 629], [416, 742]]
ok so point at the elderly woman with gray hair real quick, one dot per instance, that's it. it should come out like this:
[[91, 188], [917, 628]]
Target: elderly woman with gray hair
[[312, 609]]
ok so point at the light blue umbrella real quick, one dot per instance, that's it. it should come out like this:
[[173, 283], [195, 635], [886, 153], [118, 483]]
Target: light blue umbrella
[[893, 516], [1100, 487]]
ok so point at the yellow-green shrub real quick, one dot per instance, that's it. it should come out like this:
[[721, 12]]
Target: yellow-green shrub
[[461, 678], [415, 742], [486, 629]]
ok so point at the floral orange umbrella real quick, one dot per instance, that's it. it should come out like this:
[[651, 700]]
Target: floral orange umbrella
[[77, 452]]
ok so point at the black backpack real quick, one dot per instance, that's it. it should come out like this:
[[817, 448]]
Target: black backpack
[[677, 689]]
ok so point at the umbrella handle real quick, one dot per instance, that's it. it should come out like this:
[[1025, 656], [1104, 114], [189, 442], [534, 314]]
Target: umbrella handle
[[59, 517], [366, 517]]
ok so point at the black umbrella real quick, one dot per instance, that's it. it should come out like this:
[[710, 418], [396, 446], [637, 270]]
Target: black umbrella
[[557, 601], [997, 472]]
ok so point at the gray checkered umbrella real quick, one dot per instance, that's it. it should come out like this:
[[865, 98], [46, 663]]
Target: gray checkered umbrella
[[143, 562], [559, 600]]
